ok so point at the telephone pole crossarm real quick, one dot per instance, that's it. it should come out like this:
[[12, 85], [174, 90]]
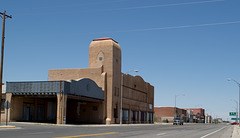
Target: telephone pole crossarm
[[6, 15]]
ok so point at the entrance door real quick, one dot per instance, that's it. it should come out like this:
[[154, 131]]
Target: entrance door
[[28, 112], [40, 112]]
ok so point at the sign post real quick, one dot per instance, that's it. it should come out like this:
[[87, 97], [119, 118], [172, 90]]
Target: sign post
[[7, 106]]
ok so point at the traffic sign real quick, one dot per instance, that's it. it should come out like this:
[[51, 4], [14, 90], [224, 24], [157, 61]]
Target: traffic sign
[[232, 113], [234, 118], [7, 105]]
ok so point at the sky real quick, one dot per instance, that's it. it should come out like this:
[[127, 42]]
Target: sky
[[185, 47]]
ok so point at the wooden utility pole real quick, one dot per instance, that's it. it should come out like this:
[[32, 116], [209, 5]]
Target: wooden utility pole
[[4, 16]]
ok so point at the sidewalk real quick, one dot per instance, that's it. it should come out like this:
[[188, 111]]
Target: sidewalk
[[83, 125], [236, 132], [8, 126]]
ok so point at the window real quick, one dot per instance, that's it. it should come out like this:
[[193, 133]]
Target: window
[[115, 113], [100, 58], [125, 115], [95, 108], [134, 116], [150, 117], [2, 106]]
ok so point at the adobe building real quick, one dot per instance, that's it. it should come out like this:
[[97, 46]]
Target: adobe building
[[89, 95]]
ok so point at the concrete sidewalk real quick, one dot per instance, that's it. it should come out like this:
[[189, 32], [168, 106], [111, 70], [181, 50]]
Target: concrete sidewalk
[[8, 126], [83, 125], [236, 132]]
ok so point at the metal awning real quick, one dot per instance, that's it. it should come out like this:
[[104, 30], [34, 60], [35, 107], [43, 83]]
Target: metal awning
[[84, 88]]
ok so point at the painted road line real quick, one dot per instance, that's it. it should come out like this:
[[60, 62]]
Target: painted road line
[[39, 133], [161, 134], [177, 127], [88, 135], [213, 132]]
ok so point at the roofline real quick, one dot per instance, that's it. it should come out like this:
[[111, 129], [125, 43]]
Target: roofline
[[105, 38]]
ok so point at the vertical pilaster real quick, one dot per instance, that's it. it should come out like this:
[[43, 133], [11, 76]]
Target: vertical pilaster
[[139, 116], [129, 115], [61, 109]]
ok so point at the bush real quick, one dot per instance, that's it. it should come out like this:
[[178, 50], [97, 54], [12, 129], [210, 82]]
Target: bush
[[155, 119], [165, 121]]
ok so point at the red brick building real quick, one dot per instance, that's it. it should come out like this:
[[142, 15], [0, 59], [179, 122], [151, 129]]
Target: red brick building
[[199, 114], [167, 113]]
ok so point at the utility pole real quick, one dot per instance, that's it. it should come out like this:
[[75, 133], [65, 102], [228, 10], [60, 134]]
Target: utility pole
[[3, 16]]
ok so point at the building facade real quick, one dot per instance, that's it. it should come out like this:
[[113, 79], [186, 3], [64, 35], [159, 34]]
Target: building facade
[[89, 95], [3, 97], [166, 114], [190, 116], [199, 114]]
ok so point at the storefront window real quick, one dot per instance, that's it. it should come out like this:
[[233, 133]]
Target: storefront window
[[143, 116], [2, 106], [150, 117], [134, 116], [125, 115]]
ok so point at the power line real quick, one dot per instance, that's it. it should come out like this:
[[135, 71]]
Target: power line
[[164, 5], [140, 7], [176, 27]]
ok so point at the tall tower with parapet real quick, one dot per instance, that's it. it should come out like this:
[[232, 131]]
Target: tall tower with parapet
[[106, 52]]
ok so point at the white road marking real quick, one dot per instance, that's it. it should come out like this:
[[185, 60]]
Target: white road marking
[[213, 132], [39, 133], [161, 134]]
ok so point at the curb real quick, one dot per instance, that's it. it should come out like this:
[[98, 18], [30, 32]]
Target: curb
[[236, 132], [7, 127]]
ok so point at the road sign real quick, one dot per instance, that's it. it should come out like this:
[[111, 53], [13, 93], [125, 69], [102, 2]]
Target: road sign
[[7, 104], [232, 113], [234, 118]]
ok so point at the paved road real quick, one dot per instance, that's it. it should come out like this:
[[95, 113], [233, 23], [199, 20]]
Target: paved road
[[23, 130]]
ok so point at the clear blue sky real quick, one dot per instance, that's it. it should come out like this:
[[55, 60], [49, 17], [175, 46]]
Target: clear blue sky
[[179, 46]]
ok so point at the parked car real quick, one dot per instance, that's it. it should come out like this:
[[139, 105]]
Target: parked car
[[234, 123], [178, 121]]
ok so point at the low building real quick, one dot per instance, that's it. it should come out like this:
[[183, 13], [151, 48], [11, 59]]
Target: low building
[[199, 115], [184, 115], [164, 114], [190, 116], [208, 119], [89, 95]]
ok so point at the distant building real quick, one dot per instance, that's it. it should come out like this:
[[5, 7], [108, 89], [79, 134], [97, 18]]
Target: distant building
[[199, 115], [167, 113], [90, 95], [208, 119], [190, 116]]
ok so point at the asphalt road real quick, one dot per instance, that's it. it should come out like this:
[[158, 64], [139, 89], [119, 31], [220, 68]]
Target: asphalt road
[[25, 130]]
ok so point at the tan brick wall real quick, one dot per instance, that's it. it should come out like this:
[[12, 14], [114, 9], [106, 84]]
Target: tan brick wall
[[137, 94]]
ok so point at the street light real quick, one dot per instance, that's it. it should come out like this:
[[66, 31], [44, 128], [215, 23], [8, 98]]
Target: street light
[[176, 103], [122, 92], [229, 79], [236, 109]]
